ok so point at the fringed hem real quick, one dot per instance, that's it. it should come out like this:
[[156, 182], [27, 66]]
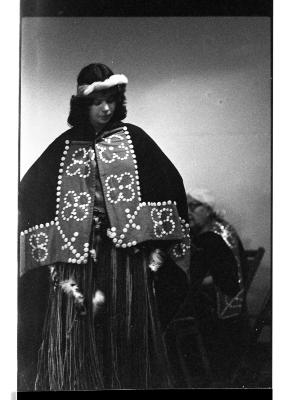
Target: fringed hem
[[117, 343]]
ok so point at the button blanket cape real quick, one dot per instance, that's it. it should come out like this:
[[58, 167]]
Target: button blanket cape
[[144, 193]]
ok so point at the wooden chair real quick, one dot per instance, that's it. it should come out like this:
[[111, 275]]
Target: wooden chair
[[263, 318], [253, 260], [186, 330], [249, 371], [263, 348]]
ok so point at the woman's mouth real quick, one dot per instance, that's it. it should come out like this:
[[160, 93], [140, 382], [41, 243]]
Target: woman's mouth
[[104, 117]]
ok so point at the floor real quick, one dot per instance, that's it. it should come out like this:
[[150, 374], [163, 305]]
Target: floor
[[253, 370], [257, 369]]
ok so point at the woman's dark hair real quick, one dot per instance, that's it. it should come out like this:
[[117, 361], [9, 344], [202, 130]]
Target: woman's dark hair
[[79, 105]]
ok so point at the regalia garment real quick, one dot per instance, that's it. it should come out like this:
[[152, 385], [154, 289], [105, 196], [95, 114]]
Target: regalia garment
[[92, 211], [229, 306], [219, 254], [219, 306]]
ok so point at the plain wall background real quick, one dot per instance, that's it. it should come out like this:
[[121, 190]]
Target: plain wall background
[[199, 86]]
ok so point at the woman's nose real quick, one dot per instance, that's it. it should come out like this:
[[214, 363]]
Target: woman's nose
[[105, 106]]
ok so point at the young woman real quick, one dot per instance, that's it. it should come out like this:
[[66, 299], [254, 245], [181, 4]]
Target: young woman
[[101, 210]]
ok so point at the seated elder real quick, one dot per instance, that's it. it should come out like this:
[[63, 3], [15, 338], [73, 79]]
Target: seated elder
[[217, 285]]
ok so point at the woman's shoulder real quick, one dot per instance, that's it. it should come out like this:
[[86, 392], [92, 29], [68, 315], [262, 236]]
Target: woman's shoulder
[[59, 142], [64, 136], [51, 153], [140, 137], [60, 138], [135, 129]]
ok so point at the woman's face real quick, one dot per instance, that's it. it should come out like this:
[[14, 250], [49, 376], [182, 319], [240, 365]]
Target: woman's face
[[102, 109]]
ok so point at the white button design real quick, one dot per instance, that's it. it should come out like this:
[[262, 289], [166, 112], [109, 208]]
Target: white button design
[[80, 164], [163, 222], [109, 153], [76, 206], [38, 243], [120, 187]]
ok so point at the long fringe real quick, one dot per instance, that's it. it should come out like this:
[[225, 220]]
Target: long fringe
[[120, 345]]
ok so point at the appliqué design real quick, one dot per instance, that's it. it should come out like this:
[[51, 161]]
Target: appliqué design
[[180, 249], [226, 232], [80, 165], [120, 187], [228, 307], [38, 243], [107, 154], [76, 206], [163, 221]]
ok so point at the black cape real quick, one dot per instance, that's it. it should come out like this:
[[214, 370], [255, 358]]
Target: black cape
[[159, 179]]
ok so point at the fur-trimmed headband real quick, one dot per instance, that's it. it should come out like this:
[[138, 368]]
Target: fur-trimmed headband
[[113, 80]]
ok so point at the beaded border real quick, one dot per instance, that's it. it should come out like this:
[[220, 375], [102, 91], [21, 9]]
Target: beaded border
[[68, 242], [112, 231]]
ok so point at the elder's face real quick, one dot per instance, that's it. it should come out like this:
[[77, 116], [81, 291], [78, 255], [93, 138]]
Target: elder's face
[[199, 217], [102, 109]]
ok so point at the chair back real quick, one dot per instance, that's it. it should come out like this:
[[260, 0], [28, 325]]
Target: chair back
[[253, 260]]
